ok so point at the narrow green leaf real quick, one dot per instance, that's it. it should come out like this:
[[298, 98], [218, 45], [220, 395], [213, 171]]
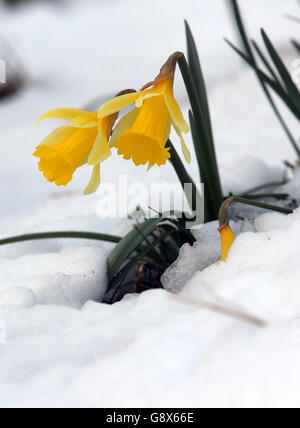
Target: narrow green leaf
[[117, 281], [204, 136], [196, 72], [296, 45], [283, 71], [265, 61], [262, 205], [209, 213], [129, 244], [278, 196], [241, 28], [265, 186], [272, 83], [197, 75], [265, 79], [54, 235], [276, 111]]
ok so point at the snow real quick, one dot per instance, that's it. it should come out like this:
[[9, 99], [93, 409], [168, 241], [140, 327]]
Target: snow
[[68, 277], [205, 252], [63, 347], [266, 259]]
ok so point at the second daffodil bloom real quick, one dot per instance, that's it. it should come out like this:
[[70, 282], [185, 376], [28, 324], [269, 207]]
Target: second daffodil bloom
[[83, 140], [142, 134]]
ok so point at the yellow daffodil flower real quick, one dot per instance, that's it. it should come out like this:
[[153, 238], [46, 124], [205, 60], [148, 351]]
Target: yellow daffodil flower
[[227, 239], [83, 140], [141, 135]]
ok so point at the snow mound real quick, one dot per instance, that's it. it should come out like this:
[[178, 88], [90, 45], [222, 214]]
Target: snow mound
[[262, 270], [205, 252], [69, 277]]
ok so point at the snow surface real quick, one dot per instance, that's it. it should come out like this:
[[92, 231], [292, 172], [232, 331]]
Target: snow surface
[[63, 347]]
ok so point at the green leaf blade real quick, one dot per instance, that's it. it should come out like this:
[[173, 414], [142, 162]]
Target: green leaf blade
[[204, 135], [283, 71], [129, 244]]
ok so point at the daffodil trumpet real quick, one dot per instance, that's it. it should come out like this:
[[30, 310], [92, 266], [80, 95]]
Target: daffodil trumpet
[[142, 134]]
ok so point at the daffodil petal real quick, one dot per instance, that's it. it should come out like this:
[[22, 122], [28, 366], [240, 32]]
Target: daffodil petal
[[94, 182], [57, 136], [140, 101], [125, 123], [61, 113], [185, 150], [84, 120], [175, 112], [86, 125], [116, 104], [101, 149]]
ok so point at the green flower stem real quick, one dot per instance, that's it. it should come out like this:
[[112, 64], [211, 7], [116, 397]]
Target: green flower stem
[[203, 133], [183, 176], [278, 196], [54, 235], [224, 210], [262, 205], [263, 187], [224, 217], [204, 171]]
